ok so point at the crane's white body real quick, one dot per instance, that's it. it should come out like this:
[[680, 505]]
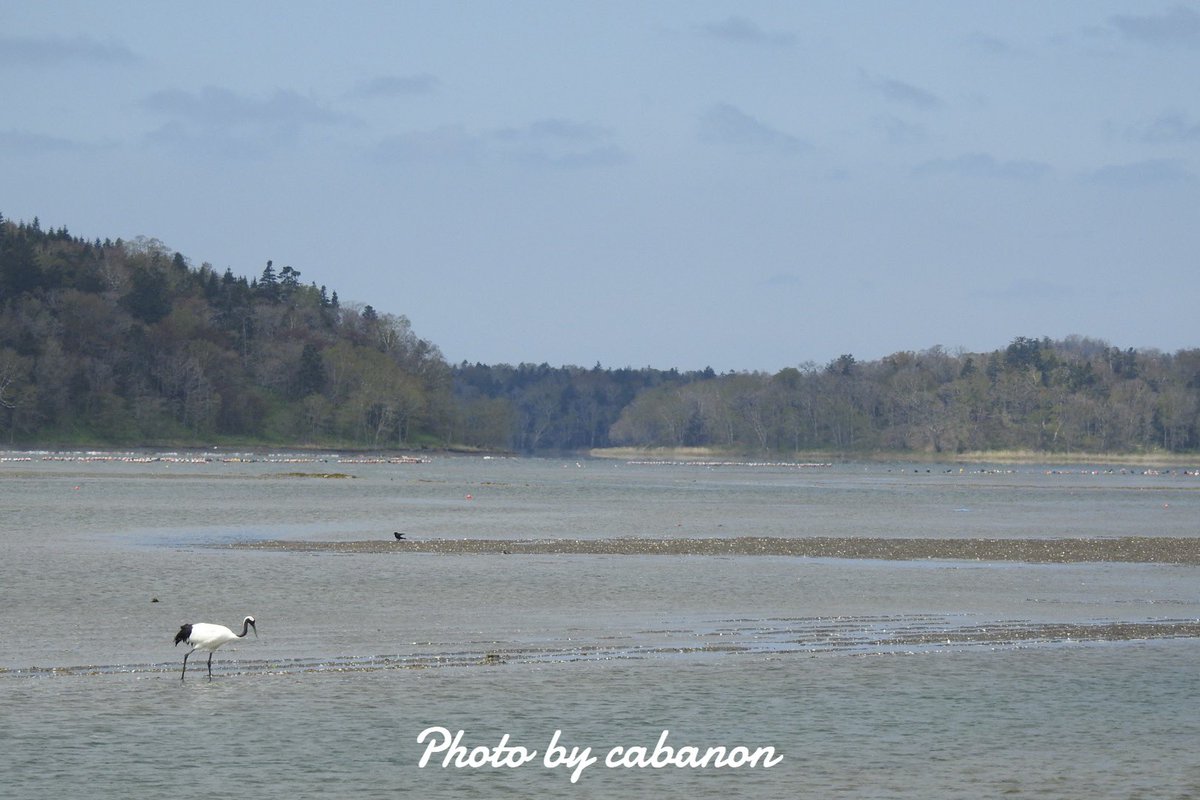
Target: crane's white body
[[208, 637]]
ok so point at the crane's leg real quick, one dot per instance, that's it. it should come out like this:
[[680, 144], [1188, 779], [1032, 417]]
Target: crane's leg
[[210, 666], [185, 655]]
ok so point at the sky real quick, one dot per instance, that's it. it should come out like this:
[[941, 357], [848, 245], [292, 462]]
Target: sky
[[743, 185]]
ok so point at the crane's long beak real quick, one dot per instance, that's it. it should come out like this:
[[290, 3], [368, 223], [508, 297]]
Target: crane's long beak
[[255, 629]]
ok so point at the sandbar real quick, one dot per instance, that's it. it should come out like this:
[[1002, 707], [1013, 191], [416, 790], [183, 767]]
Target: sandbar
[[1128, 549]]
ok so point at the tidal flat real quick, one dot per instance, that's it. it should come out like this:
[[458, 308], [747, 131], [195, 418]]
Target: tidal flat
[[901, 630], [1125, 549]]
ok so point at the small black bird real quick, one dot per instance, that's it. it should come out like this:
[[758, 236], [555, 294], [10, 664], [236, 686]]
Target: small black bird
[[399, 536]]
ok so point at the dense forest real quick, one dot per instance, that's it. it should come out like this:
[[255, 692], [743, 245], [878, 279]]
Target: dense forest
[[127, 343]]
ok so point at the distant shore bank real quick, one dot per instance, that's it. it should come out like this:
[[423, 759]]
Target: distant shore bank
[[658, 454], [982, 457]]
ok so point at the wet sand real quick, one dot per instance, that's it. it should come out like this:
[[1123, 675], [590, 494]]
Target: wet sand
[[1130, 549]]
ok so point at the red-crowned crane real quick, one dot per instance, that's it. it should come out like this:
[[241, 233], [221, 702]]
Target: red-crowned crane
[[206, 636]]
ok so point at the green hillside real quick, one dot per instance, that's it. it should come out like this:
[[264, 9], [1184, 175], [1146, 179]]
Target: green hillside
[[128, 343]]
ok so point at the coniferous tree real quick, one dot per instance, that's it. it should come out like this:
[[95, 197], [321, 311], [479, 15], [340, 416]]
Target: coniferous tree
[[268, 284], [311, 378], [148, 300]]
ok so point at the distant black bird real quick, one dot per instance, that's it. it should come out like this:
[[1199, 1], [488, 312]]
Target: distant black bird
[[399, 535]]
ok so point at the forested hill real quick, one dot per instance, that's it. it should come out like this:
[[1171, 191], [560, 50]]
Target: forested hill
[[127, 342]]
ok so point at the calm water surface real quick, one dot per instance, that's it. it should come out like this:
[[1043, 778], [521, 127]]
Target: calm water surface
[[837, 665]]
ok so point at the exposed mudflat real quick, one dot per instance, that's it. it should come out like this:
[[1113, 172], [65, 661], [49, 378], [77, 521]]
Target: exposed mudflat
[[1130, 549]]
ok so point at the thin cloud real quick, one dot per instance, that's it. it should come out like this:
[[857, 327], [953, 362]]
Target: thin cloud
[[397, 86], [553, 143], [216, 143], [740, 30], [54, 51], [728, 125], [15, 142], [904, 93], [982, 165], [215, 106], [991, 45], [448, 143], [1171, 127], [602, 156], [1027, 290], [1139, 174], [560, 143], [555, 129], [899, 131], [1178, 27], [218, 123]]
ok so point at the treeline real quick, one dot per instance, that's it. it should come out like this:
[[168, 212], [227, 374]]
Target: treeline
[[531, 407], [115, 342], [1077, 395], [125, 342]]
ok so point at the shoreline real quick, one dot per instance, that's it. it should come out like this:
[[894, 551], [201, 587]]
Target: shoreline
[[1126, 549], [51, 451], [685, 454]]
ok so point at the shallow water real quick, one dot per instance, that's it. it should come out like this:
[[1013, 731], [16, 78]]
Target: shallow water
[[869, 678]]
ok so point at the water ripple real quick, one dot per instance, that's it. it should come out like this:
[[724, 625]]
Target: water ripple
[[873, 635]]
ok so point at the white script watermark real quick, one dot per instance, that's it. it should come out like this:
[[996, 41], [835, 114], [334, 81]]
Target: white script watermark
[[505, 755]]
